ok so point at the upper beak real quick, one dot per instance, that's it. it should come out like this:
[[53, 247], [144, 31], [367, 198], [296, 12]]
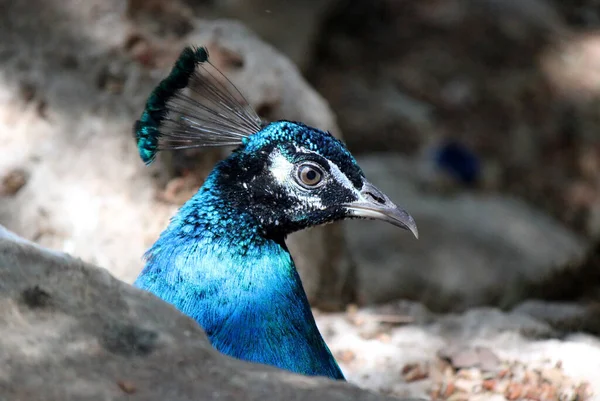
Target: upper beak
[[374, 204]]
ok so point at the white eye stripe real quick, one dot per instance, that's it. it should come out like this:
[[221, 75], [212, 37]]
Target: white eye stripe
[[341, 177], [334, 171]]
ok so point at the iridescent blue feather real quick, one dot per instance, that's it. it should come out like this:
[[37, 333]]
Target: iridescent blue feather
[[460, 162], [214, 264]]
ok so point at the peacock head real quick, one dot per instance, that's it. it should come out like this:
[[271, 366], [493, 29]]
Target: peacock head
[[287, 175], [291, 176]]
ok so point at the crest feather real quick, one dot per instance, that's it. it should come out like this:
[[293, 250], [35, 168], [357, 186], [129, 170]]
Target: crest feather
[[194, 106]]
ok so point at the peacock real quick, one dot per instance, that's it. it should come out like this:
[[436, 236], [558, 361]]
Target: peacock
[[223, 260]]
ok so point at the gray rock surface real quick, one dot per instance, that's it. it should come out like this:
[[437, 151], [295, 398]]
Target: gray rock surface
[[71, 331], [291, 26], [564, 316], [67, 105], [473, 249]]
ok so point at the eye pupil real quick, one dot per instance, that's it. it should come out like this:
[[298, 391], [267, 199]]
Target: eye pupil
[[311, 175]]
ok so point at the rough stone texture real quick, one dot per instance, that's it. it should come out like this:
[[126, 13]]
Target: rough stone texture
[[473, 249], [291, 26], [71, 176], [71, 331], [564, 316], [86, 191]]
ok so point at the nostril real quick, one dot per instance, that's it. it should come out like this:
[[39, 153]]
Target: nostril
[[376, 197]]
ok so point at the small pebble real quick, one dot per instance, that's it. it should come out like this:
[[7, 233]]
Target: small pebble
[[13, 181], [127, 386]]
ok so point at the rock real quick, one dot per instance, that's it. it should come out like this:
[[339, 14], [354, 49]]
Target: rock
[[573, 289], [13, 182], [468, 324], [291, 27], [473, 249], [563, 316], [87, 192], [479, 357], [69, 330]]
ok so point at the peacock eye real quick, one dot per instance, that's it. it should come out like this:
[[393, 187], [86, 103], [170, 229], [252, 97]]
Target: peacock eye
[[309, 175]]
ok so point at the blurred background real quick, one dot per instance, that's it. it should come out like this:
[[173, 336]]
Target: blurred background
[[479, 117]]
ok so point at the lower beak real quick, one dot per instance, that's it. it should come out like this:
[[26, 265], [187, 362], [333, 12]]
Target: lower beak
[[374, 204]]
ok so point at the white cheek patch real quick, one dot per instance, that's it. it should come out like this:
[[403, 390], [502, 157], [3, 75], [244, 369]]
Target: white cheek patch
[[280, 168]]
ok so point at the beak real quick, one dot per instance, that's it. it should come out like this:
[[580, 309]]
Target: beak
[[374, 204]]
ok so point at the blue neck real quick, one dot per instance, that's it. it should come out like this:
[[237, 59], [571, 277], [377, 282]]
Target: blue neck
[[214, 265]]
